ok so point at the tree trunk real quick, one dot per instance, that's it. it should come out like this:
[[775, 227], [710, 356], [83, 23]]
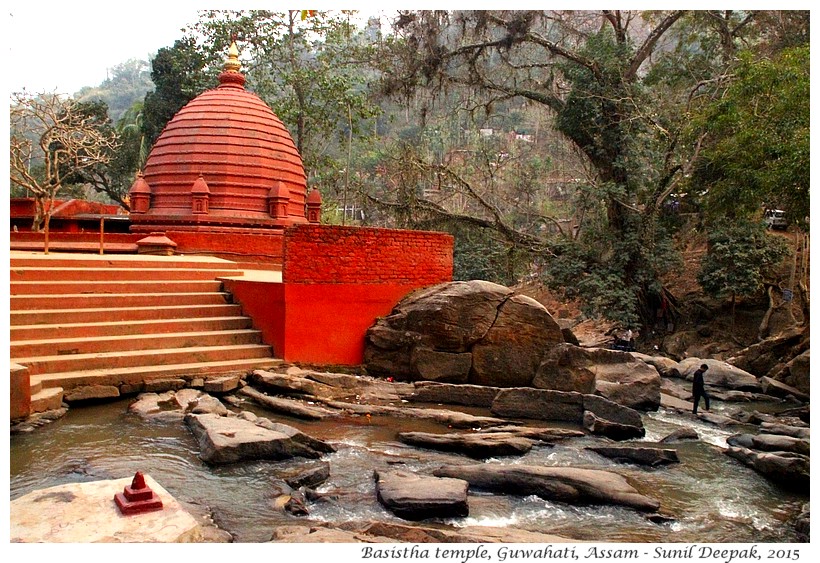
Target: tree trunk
[[763, 329], [39, 214]]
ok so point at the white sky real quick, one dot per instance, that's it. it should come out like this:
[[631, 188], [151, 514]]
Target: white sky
[[64, 46]]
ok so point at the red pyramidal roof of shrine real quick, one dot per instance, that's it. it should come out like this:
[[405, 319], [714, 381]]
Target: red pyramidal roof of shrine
[[240, 148]]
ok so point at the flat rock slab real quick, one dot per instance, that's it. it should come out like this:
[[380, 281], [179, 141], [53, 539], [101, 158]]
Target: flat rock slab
[[548, 435], [641, 455], [223, 384], [771, 443], [292, 407], [447, 393], [476, 446], [572, 485], [87, 513], [785, 430], [416, 497], [789, 469], [230, 439], [454, 419], [392, 532], [597, 414], [296, 384], [91, 392]]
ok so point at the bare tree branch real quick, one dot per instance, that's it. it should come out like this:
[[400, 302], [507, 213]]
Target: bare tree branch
[[649, 43]]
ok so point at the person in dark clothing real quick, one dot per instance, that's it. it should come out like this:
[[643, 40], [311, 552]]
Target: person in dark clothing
[[698, 389]]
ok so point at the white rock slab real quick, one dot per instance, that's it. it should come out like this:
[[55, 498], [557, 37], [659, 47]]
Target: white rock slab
[[86, 513]]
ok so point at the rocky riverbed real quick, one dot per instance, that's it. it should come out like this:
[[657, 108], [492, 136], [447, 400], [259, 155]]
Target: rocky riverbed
[[481, 420], [472, 455]]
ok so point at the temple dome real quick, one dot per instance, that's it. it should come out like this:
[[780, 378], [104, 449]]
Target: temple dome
[[232, 140]]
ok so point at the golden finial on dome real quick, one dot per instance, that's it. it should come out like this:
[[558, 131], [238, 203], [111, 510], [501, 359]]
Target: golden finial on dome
[[230, 77], [232, 62]]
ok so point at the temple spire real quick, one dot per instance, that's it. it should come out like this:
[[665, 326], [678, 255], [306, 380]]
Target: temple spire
[[230, 75], [232, 62]]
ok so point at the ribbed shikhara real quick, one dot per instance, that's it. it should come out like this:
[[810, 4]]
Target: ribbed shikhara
[[239, 147]]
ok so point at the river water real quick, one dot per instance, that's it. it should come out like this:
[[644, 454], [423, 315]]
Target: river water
[[712, 498]]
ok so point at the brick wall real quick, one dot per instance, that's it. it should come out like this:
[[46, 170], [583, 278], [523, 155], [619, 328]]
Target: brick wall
[[363, 255], [231, 246]]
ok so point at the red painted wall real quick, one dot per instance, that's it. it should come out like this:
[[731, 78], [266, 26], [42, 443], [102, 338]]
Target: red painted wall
[[364, 255], [264, 302], [337, 281], [315, 323], [266, 248], [326, 323]]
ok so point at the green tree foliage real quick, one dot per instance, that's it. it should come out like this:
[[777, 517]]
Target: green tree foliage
[[757, 152], [307, 65], [588, 70], [127, 83], [179, 75], [741, 256], [620, 88]]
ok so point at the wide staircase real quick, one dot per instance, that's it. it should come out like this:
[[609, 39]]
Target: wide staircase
[[123, 321]]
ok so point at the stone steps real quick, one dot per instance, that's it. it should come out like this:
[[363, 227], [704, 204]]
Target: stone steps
[[120, 287], [120, 314], [140, 375], [64, 346], [114, 273], [135, 358], [112, 300], [123, 321], [20, 333], [84, 261]]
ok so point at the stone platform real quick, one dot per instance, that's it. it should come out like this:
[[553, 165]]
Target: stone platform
[[87, 513]]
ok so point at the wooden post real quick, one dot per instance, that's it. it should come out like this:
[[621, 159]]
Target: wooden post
[[102, 235], [45, 234]]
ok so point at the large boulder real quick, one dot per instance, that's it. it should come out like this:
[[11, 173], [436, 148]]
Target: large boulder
[[780, 389], [474, 332], [618, 376], [720, 374], [511, 351], [796, 372], [663, 364], [416, 497], [789, 469], [573, 485], [762, 357], [607, 418]]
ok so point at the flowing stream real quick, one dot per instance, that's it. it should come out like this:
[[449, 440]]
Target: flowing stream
[[711, 497]]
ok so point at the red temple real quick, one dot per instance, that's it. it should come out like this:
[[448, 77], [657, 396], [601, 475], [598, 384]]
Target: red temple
[[224, 163], [225, 179]]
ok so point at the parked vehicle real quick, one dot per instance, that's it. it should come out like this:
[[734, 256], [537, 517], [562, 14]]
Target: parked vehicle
[[775, 219]]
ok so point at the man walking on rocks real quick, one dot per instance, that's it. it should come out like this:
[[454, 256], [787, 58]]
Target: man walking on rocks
[[698, 389]]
